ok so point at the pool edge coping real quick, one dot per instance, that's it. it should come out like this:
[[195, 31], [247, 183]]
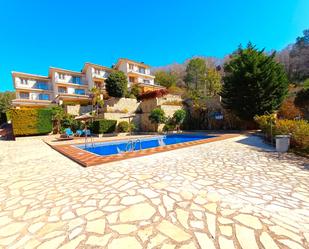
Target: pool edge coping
[[87, 159]]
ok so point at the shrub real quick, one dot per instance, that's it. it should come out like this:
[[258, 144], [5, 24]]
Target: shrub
[[135, 91], [116, 84], [31, 121], [123, 126], [288, 110], [298, 129], [169, 125], [154, 94], [103, 126], [157, 116], [179, 116]]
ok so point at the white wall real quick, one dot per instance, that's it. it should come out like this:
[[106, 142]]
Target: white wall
[[33, 96], [31, 83], [68, 78]]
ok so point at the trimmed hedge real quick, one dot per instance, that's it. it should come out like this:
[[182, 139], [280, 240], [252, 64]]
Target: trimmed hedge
[[31, 121], [103, 126]]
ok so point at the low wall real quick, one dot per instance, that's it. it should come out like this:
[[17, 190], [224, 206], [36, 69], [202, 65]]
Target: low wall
[[125, 105], [121, 117], [169, 110], [77, 110]]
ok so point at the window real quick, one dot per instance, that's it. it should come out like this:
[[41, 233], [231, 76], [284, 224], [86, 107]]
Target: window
[[80, 91], [131, 66], [76, 80], [23, 81], [43, 96], [97, 71], [61, 76], [141, 70], [24, 95], [42, 85], [147, 81], [131, 79], [62, 89]]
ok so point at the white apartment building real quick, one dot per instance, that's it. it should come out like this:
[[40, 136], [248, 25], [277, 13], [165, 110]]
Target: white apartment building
[[64, 85]]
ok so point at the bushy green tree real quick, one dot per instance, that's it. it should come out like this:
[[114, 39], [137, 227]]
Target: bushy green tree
[[157, 116], [165, 78], [254, 83], [6, 101], [213, 82], [195, 74], [179, 117], [116, 84]]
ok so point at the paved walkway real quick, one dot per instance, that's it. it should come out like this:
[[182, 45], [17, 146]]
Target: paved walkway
[[227, 194]]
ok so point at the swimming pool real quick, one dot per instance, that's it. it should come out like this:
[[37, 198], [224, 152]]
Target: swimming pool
[[130, 145]]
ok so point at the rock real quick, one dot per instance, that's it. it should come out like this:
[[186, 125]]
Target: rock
[[226, 230], [96, 226], [125, 243], [249, 220], [204, 241], [211, 223], [225, 243], [182, 217], [142, 211], [291, 244], [245, 237], [267, 241], [129, 200], [100, 241], [72, 244], [123, 228], [173, 231]]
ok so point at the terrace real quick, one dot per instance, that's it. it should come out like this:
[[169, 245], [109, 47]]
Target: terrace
[[235, 193]]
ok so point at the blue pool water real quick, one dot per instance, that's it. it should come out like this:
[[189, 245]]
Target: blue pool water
[[116, 147]]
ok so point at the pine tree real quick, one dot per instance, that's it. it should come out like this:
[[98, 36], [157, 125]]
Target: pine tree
[[254, 83]]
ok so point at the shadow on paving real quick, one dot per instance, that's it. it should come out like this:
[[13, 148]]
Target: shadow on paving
[[288, 158]]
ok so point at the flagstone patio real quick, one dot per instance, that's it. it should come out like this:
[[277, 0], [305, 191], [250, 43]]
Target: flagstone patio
[[235, 193]]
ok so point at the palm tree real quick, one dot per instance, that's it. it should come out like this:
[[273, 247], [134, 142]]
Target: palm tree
[[58, 114], [96, 98]]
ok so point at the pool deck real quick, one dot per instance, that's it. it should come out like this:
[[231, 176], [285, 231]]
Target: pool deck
[[87, 159], [235, 193]]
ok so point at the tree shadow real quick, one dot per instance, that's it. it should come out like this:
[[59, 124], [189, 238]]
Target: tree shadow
[[285, 158], [257, 142]]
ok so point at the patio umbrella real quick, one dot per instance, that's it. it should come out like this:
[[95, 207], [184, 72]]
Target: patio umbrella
[[85, 117]]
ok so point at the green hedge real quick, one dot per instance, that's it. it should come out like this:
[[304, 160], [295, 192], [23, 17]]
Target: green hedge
[[31, 121], [103, 126]]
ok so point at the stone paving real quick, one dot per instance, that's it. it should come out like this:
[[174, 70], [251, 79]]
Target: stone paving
[[227, 194]]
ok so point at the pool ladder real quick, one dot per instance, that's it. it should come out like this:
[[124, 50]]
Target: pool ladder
[[91, 141], [131, 145]]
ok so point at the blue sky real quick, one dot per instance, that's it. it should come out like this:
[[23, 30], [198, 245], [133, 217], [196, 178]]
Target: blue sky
[[39, 34]]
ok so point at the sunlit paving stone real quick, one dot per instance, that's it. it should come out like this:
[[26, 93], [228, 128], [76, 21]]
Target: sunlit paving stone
[[220, 195]]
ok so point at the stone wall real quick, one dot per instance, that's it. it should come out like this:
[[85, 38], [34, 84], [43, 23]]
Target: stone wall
[[77, 110], [116, 109], [121, 105], [121, 117]]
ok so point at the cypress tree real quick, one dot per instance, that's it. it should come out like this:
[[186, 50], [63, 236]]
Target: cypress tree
[[254, 83]]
